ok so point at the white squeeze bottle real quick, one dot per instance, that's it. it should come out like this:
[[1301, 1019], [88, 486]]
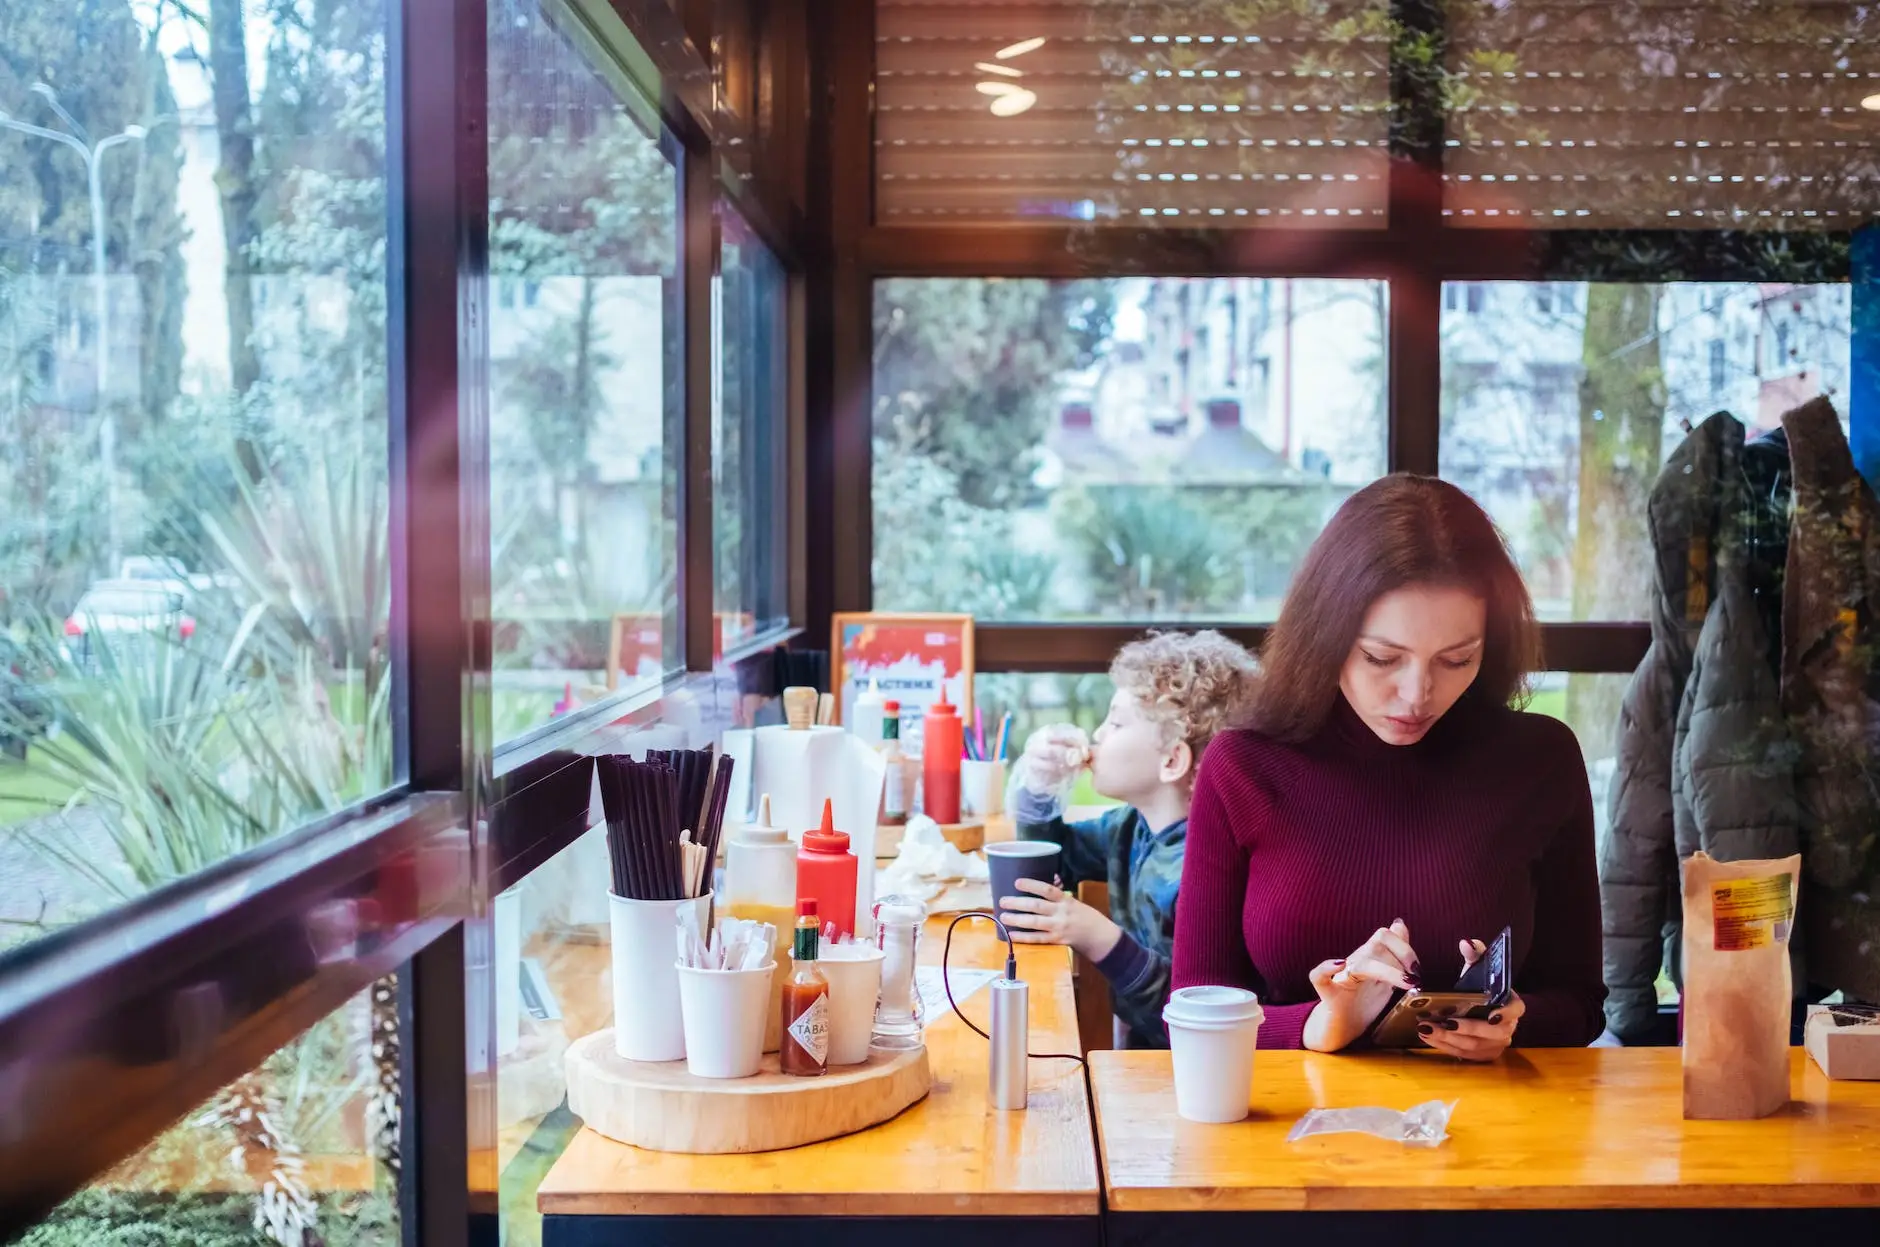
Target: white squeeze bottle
[[760, 884], [866, 721]]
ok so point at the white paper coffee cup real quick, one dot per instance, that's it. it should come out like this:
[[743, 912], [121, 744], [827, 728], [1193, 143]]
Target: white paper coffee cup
[[854, 974], [724, 1013], [1212, 1032]]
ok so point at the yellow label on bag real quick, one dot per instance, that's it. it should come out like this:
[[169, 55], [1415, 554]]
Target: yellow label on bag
[[1752, 913]]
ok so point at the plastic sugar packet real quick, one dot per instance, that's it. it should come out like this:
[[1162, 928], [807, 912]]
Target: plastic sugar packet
[[1426, 1125]]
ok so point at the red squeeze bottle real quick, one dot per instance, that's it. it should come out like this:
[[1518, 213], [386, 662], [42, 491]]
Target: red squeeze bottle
[[943, 737], [825, 871]]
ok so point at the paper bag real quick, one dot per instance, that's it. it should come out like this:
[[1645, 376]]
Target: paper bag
[[1737, 986]]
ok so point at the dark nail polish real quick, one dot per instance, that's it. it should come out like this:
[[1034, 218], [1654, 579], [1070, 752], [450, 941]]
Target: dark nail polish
[[1494, 1019], [1424, 1028], [1416, 984], [1396, 922], [1449, 1024], [1339, 962]]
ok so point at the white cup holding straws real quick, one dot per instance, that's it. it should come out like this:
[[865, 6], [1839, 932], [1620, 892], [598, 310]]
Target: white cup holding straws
[[723, 1012], [647, 1024], [661, 881], [982, 788]]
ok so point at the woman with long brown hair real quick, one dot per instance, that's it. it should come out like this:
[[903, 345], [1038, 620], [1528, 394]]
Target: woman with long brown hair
[[1388, 807]]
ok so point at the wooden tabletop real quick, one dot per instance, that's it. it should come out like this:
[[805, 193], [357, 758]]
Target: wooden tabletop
[[1542, 1128], [949, 1155]]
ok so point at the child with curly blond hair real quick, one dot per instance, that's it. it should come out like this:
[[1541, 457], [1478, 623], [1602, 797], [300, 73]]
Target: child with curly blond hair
[[1174, 692]]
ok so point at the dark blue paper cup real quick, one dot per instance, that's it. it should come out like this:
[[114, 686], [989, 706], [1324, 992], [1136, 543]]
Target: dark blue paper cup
[[1008, 861]]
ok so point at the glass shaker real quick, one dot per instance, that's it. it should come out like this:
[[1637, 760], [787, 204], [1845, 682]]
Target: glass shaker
[[898, 1014]]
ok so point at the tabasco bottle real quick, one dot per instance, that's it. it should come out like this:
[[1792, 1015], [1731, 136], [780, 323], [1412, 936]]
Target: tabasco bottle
[[805, 1045]]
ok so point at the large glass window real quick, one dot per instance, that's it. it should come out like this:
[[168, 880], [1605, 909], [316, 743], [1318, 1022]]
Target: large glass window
[[1558, 413], [303, 1149], [193, 521], [750, 436], [1184, 113], [1132, 448], [586, 383], [1036, 700]]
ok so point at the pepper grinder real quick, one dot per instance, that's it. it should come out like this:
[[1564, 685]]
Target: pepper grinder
[[898, 1013], [799, 707]]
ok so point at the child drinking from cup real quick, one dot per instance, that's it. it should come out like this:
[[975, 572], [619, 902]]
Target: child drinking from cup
[[1174, 691]]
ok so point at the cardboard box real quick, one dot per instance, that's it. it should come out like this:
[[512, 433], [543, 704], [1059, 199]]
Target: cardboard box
[[1843, 1045]]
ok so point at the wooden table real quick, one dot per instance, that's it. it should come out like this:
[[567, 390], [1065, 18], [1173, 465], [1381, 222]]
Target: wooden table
[[1543, 1129], [950, 1166]]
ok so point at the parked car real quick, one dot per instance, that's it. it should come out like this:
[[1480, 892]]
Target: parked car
[[153, 567], [126, 608]]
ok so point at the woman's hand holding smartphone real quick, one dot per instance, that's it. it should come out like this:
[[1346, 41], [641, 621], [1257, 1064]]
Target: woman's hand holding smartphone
[[1475, 1022], [1354, 990]]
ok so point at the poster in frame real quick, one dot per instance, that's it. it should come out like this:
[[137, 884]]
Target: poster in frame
[[913, 659]]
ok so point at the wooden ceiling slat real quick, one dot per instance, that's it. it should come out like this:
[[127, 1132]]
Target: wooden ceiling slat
[[1633, 129], [1135, 195], [1625, 111], [1623, 94], [1698, 29], [1119, 57], [1357, 132], [1058, 93], [1099, 164], [1194, 20]]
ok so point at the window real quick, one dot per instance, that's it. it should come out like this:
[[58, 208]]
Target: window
[[1544, 298], [1589, 704], [303, 1149], [193, 522], [1037, 700], [1188, 113], [1652, 364], [750, 436], [1703, 115], [1051, 450], [586, 394], [1476, 296]]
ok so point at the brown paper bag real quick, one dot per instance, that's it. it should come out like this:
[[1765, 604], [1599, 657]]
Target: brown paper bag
[[1737, 988]]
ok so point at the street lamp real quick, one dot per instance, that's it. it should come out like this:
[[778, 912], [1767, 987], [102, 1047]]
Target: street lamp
[[91, 155]]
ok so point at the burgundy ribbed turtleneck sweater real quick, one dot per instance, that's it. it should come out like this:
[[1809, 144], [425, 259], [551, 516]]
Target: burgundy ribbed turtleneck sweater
[[1298, 853]]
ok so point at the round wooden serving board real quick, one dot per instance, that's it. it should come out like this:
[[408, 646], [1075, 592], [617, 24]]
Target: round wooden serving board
[[664, 1108]]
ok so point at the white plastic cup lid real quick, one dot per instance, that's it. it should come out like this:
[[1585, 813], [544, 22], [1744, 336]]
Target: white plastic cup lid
[[1212, 1006]]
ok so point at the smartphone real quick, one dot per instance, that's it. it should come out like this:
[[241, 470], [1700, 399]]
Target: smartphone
[[1483, 988]]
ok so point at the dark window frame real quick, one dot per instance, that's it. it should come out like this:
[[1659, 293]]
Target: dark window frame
[[211, 974], [1415, 252]]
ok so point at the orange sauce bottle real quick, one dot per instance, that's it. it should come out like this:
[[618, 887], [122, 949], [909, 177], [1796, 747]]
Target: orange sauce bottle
[[804, 1047]]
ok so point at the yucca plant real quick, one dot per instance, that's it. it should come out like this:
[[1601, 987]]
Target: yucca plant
[[186, 752], [312, 545]]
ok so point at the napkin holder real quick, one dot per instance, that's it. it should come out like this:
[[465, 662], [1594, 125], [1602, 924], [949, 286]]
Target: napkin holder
[[1843, 1043], [799, 769]]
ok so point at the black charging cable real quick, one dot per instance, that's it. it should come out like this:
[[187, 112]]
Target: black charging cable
[[1011, 975]]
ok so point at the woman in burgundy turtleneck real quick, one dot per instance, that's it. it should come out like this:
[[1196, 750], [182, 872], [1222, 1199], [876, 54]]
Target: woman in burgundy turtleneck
[[1387, 810]]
